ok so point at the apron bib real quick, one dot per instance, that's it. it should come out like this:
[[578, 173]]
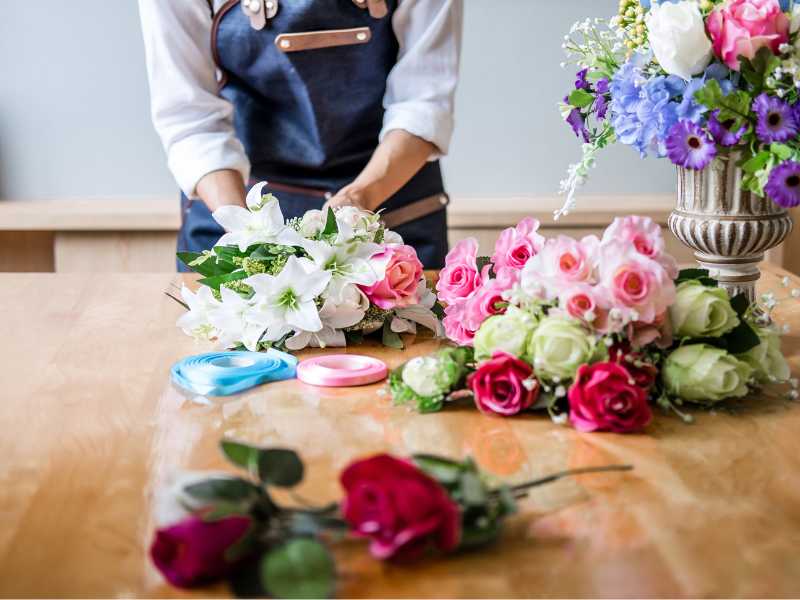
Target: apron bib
[[307, 88]]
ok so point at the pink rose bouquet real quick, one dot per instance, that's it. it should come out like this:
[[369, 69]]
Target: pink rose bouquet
[[595, 331]]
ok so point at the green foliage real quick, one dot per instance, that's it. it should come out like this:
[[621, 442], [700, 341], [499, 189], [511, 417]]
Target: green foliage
[[735, 106], [300, 568], [757, 70], [391, 339], [701, 275], [580, 99], [331, 227], [273, 466]]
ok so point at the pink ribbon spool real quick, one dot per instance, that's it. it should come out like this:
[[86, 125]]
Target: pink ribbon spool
[[342, 370]]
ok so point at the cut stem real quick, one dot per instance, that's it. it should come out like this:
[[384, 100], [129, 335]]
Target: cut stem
[[522, 487]]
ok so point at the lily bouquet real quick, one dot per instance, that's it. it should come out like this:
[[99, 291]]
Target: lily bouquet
[[595, 331], [694, 81], [324, 280]]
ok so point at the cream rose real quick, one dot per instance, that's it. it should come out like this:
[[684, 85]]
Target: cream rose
[[701, 311], [678, 38], [767, 360], [703, 374]]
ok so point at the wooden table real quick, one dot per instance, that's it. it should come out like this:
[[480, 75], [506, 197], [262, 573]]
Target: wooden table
[[94, 432]]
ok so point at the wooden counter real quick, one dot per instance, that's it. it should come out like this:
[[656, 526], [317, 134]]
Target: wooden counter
[[94, 432]]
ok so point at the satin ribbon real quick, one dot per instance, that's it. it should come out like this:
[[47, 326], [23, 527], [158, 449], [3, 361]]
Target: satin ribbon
[[228, 373]]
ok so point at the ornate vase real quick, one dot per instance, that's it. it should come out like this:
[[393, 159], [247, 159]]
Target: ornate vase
[[728, 228]]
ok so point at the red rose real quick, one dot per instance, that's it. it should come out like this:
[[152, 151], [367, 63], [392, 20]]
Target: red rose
[[400, 508], [644, 373], [192, 552], [605, 397], [499, 385]]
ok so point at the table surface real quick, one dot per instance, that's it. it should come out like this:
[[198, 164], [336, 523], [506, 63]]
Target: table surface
[[94, 433]]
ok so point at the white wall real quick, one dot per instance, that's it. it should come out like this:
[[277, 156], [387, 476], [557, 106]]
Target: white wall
[[74, 117]]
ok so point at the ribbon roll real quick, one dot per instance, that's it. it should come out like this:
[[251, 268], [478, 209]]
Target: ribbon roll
[[228, 373]]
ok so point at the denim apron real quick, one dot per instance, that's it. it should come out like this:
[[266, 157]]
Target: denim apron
[[310, 120]]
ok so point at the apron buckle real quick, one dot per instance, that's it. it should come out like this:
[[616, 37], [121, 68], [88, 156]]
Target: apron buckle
[[259, 12]]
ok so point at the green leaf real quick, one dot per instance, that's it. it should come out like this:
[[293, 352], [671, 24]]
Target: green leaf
[[429, 405], [279, 467], [242, 455], [473, 491], [443, 470], [391, 339], [331, 227], [223, 489], [482, 261], [508, 503], [301, 568], [216, 281], [782, 151], [735, 106], [581, 99], [475, 537], [740, 304], [742, 339], [758, 162]]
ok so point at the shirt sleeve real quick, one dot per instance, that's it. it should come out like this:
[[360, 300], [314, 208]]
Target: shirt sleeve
[[195, 124], [420, 91]]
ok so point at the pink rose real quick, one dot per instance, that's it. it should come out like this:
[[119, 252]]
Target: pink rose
[[587, 303], [639, 287], [645, 235], [516, 245], [562, 261], [605, 397], [460, 275], [400, 285], [742, 27], [659, 332], [499, 385], [455, 323], [399, 508], [487, 300], [192, 552]]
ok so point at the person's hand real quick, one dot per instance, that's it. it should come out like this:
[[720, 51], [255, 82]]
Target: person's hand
[[350, 196], [222, 188]]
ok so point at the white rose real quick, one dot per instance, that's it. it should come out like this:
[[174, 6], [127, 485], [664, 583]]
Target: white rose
[[767, 360], [678, 38], [796, 18], [312, 223], [421, 374]]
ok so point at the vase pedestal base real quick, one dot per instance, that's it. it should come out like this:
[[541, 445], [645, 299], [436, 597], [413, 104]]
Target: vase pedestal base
[[736, 275]]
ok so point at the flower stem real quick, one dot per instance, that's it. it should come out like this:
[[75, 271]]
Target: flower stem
[[522, 487]]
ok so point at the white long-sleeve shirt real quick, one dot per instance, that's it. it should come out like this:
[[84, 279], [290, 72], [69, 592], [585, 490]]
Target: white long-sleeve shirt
[[196, 124]]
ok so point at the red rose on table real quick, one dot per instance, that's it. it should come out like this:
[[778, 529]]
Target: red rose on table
[[504, 385], [400, 285], [192, 552], [400, 508], [605, 397]]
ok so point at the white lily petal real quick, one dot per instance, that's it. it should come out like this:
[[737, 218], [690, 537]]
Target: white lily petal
[[305, 317], [298, 341], [255, 195], [421, 315], [233, 219], [330, 338]]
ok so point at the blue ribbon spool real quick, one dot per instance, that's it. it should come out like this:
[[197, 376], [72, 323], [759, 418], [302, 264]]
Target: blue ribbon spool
[[228, 373]]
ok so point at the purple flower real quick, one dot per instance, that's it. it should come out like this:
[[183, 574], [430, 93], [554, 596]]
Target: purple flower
[[193, 551], [601, 103], [777, 120], [784, 184], [689, 146], [578, 123], [721, 130], [581, 83]]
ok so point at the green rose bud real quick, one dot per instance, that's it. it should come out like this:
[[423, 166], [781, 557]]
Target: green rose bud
[[704, 374], [767, 360], [559, 346], [509, 333], [701, 311]]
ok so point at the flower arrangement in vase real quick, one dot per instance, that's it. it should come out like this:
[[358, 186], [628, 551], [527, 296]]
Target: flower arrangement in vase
[[713, 85], [324, 280]]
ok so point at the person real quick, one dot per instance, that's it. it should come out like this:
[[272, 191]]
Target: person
[[333, 102]]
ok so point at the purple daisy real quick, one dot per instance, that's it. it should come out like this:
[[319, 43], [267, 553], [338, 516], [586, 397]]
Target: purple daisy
[[784, 184], [690, 147], [777, 120], [722, 131]]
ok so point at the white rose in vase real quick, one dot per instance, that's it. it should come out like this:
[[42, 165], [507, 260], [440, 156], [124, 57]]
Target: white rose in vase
[[678, 38]]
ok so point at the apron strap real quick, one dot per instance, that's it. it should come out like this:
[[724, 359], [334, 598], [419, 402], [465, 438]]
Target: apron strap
[[416, 210]]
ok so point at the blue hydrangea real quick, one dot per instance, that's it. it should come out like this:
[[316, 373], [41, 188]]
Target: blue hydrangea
[[644, 108]]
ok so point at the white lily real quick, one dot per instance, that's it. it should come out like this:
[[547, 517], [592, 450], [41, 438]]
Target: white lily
[[336, 314], [406, 319], [236, 320], [196, 322], [261, 222], [347, 264], [288, 301]]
